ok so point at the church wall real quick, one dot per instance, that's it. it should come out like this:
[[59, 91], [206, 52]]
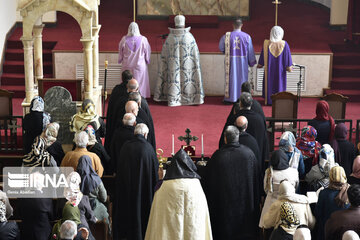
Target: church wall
[[212, 68], [7, 21]]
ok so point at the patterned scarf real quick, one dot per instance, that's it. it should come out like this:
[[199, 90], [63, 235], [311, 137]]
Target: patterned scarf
[[37, 105], [73, 193], [288, 216], [83, 118], [307, 144], [38, 155], [2, 212]]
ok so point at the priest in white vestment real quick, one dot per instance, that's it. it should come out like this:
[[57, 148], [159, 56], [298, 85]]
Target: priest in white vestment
[[179, 81], [179, 210]]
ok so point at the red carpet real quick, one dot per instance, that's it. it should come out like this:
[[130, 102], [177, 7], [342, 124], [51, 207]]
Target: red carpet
[[306, 27]]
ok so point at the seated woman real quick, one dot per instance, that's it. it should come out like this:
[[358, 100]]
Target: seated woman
[[8, 230], [288, 212], [355, 175], [345, 153], [98, 149], [323, 123], [54, 146], [309, 147], [87, 116], [279, 170], [331, 199], [319, 174], [288, 145], [34, 122], [92, 186]]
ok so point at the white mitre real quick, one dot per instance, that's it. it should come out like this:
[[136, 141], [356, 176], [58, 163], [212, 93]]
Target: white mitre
[[179, 21]]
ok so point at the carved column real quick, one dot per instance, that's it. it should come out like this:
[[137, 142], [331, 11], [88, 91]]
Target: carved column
[[28, 67], [88, 67], [96, 60], [38, 54]]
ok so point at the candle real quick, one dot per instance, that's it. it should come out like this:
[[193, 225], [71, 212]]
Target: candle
[[202, 144], [172, 153]]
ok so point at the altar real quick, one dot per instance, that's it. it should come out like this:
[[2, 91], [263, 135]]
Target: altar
[[228, 8]]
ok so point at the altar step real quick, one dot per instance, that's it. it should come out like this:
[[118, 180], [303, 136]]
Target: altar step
[[13, 77]]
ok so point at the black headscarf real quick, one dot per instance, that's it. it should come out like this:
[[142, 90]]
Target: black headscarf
[[181, 167], [279, 160], [89, 178]]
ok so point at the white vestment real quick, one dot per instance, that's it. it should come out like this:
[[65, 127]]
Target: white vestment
[[179, 212], [179, 80]]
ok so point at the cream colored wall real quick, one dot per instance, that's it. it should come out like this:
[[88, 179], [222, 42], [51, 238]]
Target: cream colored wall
[[7, 20], [49, 17], [212, 68], [338, 12]]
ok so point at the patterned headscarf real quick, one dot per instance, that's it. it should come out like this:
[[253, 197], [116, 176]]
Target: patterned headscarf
[[73, 193], [83, 118], [322, 114], [326, 159], [38, 155], [50, 134], [307, 144], [338, 181], [288, 216], [2, 212], [287, 142], [356, 167], [37, 105], [91, 132]]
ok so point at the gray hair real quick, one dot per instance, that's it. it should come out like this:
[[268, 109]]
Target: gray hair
[[68, 230], [141, 129], [246, 100], [135, 96], [231, 134], [81, 139], [129, 119]]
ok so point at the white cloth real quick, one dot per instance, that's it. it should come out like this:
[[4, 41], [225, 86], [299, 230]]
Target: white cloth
[[133, 29], [179, 212], [276, 34], [291, 174], [180, 81]]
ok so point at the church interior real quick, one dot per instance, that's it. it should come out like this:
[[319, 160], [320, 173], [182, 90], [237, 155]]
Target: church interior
[[75, 44]]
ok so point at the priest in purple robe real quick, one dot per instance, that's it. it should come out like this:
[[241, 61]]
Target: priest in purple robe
[[276, 60], [134, 55], [239, 54]]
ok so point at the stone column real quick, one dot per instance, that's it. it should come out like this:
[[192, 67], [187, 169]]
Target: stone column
[[28, 67], [38, 54], [88, 67], [96, 60]]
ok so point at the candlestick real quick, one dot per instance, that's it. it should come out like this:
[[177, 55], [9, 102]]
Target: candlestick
[[134, 10], [276, 2], [172, 153], [202, 144]]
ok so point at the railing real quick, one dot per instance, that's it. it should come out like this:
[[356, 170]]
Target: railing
[[276, 126], [11, 134], [357, 131]]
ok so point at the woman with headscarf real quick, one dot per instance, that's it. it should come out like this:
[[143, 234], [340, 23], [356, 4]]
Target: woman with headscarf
[[278, 171], [92, 186], [98, 149], [288, 212], [288, 145], [276, 58], [323, 123], [34, 122], [134, 55], [331, 199], [345, 153], [8, 230], [309, 147], [319, 174], [54, 148], [87, 116], [179, 209], [355, 175]]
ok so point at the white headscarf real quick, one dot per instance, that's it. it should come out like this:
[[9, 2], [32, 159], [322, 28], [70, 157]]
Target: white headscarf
[[326, 158], [350, 235], [287, 193], [276, 34], [73, 193], [302, 234], [133, 29]]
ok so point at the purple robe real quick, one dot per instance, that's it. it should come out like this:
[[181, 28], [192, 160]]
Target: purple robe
[[241, 56], [134, 55], [276, 71]]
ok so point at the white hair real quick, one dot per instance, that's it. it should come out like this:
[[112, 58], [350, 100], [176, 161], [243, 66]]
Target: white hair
[[133, 29], [81, 139], [276, 34], [141, 129], [129, 119], [350, 235], [68, 230]]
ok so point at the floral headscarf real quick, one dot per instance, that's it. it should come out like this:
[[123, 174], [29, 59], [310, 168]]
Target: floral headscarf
[[50, 134], [2, 212], [37, 105], [83, 118], [92, 137], [326, 159], [288, 216], [287, 142], [307, 144], [73, 193]]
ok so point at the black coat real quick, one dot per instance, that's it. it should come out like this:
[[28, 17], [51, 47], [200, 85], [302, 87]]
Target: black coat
[[347, 152], [33, 126], [37, 214], [10, 231], [231, 189], [136, 178], [100, 151], [256, 107], [121, 135], [56, 152], [142, 117]]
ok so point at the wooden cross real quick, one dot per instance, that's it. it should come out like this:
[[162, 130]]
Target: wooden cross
[[276, 2], [188, 138], [13, 126]]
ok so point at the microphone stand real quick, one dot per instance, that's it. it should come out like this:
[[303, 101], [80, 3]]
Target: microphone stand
[[299, 83], [105, 93]]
